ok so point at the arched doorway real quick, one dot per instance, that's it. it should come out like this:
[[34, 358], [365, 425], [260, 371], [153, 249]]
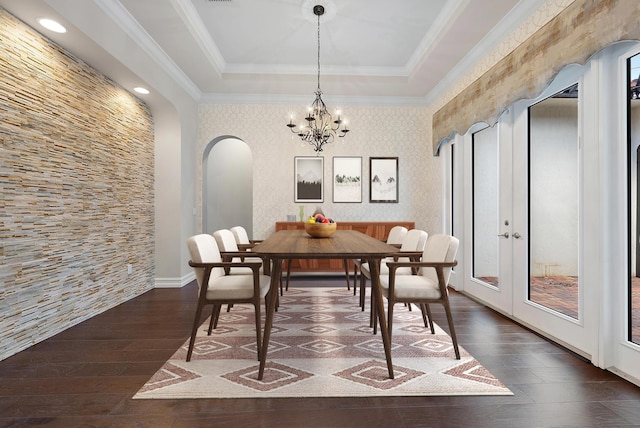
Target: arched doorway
[[227, 185]]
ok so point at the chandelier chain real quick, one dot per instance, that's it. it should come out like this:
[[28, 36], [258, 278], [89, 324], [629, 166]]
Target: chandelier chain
[[318, 52]]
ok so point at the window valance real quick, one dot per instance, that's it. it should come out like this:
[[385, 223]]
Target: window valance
[[579, 31]]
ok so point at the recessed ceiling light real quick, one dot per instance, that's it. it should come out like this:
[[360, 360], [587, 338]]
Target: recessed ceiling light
[[52, 25], [141, 90]]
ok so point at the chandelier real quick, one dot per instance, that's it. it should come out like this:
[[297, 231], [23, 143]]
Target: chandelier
[[320, 128]]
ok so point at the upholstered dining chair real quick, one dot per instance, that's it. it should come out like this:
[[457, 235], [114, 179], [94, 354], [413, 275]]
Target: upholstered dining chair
[[231, 252], [412, 246], [242, 238], [429, 285], [245, 244], [395, 237], [218, 288]]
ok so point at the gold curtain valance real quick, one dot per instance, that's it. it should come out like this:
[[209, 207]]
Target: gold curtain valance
[[582, 29]]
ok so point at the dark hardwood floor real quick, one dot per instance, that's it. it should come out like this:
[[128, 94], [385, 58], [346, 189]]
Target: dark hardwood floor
[[86, 376]]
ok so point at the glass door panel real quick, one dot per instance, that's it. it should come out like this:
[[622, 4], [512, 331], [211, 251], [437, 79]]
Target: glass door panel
[[485, 207], [554, 203]]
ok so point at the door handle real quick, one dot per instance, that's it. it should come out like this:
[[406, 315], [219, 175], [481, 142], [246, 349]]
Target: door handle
[[517, 235], [505, 235]]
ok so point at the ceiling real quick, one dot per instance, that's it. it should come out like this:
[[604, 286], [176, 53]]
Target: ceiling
[[401, 50]]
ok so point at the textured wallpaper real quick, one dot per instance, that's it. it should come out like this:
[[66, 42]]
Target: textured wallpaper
[[376, 132]]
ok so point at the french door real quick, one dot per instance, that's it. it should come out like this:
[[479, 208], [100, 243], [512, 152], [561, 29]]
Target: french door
[[546, 204], [526, 224], [555, 261], [489, 191]]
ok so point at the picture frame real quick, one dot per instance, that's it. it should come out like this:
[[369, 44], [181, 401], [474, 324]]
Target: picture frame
[[383, 179], [347, 179], [308, 179]]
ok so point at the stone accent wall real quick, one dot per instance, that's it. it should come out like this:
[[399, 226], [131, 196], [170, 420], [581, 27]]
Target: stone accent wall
[[76, 190]]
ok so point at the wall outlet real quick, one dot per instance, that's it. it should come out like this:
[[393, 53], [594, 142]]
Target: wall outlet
[[129, 269]]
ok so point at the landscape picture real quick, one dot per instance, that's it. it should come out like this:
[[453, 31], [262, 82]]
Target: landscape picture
[[383, 185], [309, 174], [347, 179]]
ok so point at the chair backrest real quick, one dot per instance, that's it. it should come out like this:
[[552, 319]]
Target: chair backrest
[[439, 248], [240, 235], [203, 249], [396, 235], [225, 240], [414, 240]]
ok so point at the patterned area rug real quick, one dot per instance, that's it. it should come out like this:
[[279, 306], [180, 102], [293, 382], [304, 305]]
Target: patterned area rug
[[321, 346]]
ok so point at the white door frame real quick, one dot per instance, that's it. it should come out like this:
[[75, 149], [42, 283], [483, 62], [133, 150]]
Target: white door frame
[[616, 353]]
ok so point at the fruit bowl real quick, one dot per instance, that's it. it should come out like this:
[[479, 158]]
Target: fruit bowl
[[320, 230]]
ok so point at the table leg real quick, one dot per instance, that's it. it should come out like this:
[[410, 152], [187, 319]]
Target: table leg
[[376, 295], [272, 296]]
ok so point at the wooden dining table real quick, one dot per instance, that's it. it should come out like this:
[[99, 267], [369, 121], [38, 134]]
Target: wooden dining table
[[343, 244]]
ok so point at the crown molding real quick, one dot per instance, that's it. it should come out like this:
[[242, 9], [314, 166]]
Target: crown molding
[[264, 99], [192, 21], [122, 18], [448, 14]]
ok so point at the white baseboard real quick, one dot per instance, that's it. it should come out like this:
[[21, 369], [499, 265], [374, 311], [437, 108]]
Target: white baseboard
[[174, 282]]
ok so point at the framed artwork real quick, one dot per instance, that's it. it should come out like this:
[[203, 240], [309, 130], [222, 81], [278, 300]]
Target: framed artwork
[[383, 179], [309, 175], [347, 179]]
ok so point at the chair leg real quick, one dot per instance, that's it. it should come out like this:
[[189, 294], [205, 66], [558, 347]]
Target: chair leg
[[363, 291], [212, 320], [373, 319], [428, 311], [217, 309], [346, 274], [425, 319], [281, 283], [355, 275], [272, 294], [452, 330], [390, 317], [256, 306], [194, 331], [288, 274]]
